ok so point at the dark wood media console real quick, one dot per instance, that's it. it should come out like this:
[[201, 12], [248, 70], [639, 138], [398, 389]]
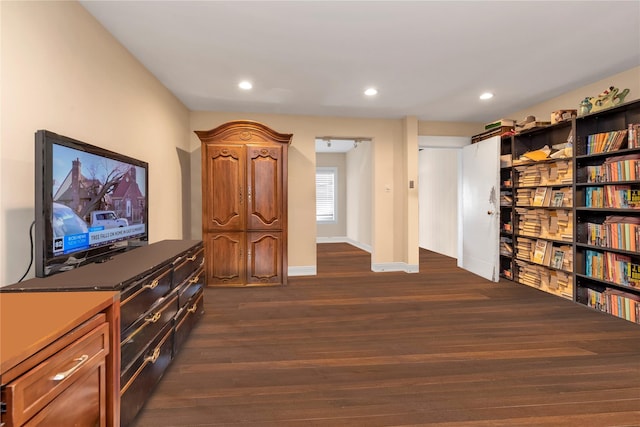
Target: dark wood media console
[[161, 298]]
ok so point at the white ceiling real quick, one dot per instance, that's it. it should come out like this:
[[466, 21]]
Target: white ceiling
[[430, 59]]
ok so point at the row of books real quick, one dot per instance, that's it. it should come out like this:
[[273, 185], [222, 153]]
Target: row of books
[[545, 253], [544, 196], [612, 196], [606, 141], [552, 281], [554, 173], [618, 168], [616, 232], [554, 224], [618, 303], [612, 267]]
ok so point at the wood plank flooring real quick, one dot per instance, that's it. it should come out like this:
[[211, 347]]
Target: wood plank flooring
[[442, 347]]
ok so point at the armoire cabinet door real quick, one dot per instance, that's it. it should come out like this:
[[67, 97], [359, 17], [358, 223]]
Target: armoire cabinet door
[[264, 258], [225, 262], [264, 187], [225, 174]]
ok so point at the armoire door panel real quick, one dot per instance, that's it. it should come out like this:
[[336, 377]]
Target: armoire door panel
[[225, 207], [225, 256], [264, 198], [264, 258]]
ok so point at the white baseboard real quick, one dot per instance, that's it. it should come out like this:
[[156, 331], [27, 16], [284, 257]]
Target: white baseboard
[[308, 270], [395, 266], [334, 239]]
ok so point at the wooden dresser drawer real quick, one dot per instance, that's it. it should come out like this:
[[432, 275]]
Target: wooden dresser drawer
[[186, 319], [143, 375], [138, 337], [138, 297], [189, 287], [38, 387], [185, 267], [64, 410]]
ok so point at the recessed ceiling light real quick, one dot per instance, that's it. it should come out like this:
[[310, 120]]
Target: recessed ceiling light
[[246, 85], [371, 91], [486, 95]]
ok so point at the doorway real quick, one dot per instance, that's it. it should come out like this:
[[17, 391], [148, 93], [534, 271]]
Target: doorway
[[346, 165], [439, 161]]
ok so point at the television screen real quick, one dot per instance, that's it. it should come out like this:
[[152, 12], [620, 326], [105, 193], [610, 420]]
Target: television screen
[[90, 202]]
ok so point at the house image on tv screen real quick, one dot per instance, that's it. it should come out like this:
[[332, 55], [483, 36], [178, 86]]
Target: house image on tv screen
[[128, 201], [117, 191]]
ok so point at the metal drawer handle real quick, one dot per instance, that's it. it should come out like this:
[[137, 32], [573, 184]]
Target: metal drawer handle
[[153, 357], [191, 258], [194, 280], [153, 318], [65, 374], [152, 285], [193, 308]]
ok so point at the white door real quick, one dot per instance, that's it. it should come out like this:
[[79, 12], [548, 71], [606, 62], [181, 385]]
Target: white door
[[480, 208]]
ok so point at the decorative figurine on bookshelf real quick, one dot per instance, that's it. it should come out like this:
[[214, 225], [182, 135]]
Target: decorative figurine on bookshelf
[[585, 107], [608, 98]]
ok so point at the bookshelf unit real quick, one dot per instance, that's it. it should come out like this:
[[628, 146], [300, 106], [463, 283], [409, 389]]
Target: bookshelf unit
[[607, 213], [543, 209], [506, 206]]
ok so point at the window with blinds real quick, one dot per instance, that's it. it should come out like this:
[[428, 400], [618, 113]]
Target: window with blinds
[[326, 181]]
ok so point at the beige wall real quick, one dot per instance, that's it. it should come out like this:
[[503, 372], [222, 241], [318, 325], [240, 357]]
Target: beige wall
[[339, 228], [449, 128], [410, 146], [62, 71], [387, 160]]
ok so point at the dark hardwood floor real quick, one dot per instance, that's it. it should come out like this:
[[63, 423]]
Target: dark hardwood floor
[[442, 347]]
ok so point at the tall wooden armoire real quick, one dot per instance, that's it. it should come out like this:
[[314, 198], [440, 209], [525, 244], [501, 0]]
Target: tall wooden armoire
[[244, 204]]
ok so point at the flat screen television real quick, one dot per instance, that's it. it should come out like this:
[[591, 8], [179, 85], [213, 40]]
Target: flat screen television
[[89, 203]]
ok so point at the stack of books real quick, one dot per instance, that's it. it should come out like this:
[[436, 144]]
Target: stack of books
[[553, 281], [525, 248], [555, 173], [554, 224]]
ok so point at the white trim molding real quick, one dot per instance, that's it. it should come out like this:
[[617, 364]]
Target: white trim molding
[[395, 266], [305, 270]]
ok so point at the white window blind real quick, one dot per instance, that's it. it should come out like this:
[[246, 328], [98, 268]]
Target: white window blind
[[326, 194]]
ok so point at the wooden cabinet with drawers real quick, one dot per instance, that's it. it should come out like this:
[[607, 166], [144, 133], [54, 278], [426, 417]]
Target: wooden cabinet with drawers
[[57, 361], [160, 290]]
